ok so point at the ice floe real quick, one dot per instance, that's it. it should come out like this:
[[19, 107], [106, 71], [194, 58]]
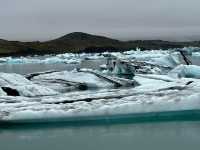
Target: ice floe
[[154, 95], [103, 104]]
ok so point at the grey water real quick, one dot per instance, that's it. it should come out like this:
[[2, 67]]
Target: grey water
[[31, 68], [151, 136], [195, 60]]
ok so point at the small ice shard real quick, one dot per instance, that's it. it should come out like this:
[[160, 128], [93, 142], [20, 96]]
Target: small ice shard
[[119, 67], [122, 67]]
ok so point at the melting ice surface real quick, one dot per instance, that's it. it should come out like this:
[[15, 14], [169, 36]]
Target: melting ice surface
[[168, 87]]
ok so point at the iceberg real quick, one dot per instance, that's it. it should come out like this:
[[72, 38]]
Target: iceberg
[[186, 71], [152, 99]]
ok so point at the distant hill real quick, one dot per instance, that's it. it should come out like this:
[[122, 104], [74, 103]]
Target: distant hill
[[83, 42]]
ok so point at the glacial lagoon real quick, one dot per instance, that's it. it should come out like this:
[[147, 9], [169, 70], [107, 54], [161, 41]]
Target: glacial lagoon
[[149, 135]]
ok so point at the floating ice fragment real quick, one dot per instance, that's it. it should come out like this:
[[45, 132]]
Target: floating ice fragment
[[186, 71]]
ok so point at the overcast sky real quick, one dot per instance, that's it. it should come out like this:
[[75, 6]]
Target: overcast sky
[[29, 20]]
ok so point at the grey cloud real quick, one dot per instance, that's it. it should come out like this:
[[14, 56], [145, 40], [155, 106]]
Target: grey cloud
[[123, 19]]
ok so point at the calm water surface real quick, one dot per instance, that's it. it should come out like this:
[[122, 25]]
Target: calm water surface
[[151, 136], [30, 68]]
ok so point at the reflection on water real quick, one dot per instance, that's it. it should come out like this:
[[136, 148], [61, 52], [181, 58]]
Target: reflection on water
[[151, 136]]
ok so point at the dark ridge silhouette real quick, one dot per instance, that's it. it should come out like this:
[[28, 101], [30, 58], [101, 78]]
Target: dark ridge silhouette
[[78, 42]]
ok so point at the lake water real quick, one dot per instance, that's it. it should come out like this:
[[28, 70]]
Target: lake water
[[30, 68], [151, 136]]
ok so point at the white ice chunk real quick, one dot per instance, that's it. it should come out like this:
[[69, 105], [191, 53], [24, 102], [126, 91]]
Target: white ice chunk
[[169, 60], [79, 77], [2, 93], [35, 90], [24, 86], [13, 79], [187, 71]]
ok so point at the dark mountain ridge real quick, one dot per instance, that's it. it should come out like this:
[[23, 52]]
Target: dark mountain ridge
[[82, 42]]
